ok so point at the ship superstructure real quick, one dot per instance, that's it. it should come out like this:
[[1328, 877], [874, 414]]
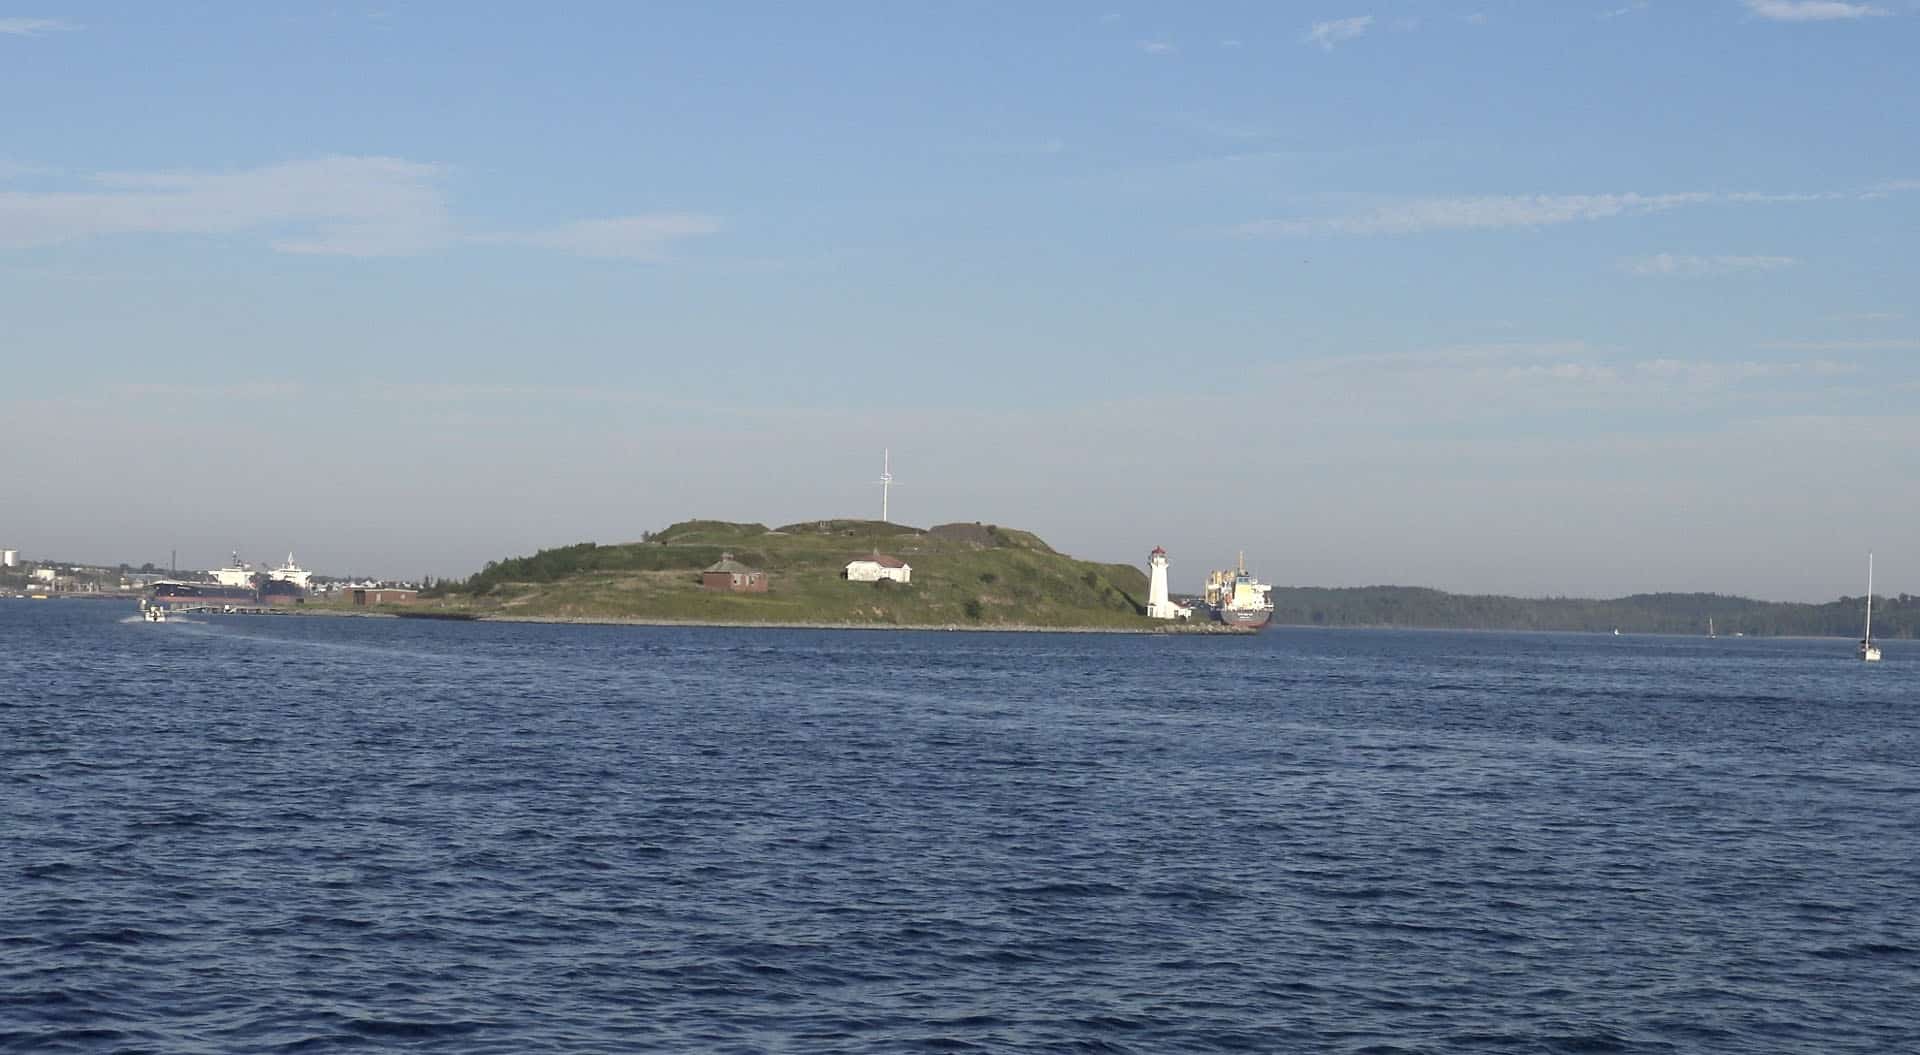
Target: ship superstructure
[[1236, 598], [239, 573], [285, 584]]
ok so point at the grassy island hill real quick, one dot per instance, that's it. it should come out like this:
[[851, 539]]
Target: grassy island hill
[[977, 575]]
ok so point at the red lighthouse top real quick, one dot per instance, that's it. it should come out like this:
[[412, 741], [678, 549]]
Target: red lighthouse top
[[1157, 552]]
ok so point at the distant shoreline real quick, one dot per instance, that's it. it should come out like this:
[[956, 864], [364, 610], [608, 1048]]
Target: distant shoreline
[[1004, 628]]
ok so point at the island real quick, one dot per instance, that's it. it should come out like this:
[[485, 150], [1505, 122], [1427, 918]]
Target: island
[[829, 573]]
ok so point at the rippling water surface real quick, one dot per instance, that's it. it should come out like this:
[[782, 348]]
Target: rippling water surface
[[257, 834]]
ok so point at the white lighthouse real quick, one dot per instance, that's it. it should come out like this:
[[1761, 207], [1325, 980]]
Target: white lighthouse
[[1158, 606]]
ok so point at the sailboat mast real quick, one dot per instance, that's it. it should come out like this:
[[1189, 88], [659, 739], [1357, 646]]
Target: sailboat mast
[[1869, 635]]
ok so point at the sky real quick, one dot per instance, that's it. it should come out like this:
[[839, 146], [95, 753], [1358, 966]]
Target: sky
[[1545, 299]]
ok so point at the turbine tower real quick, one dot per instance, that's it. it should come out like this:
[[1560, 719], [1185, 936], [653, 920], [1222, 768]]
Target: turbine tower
[[886, 481]]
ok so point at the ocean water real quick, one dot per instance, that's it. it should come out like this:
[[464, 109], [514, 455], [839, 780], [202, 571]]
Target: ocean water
[[308, 834]]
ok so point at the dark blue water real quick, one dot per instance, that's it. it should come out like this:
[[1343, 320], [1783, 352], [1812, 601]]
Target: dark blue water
[[261, 834]]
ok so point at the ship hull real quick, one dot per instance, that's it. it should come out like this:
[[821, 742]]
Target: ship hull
[[279, 591], [1249, 618], [202, 593]]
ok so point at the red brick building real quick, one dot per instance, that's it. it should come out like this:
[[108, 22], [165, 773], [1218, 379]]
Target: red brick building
[[731, 576]]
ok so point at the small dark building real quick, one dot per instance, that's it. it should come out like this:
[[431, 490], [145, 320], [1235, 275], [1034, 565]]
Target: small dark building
[[731, 576]]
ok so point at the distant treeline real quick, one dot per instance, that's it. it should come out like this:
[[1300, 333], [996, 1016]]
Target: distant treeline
[[1647, 613]]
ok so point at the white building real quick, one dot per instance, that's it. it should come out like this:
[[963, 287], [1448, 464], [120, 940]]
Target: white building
[[9, 558], [877, 567], [1158, 606], [45, 574]]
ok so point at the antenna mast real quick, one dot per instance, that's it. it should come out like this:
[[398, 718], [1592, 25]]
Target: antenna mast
[[886, 481]]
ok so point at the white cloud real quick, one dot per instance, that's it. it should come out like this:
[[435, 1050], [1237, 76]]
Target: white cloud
[[354, 206], [33, 27], [643, 237], [1477, 18], [1490, 212], [1330, 34], [1638, 5], [1684, 266], [1156, 47], [1866, 316], [1811, 10]]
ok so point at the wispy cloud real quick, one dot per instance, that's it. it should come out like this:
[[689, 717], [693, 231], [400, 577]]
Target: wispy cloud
[[1157, 47], [644, 237], [34, 27], [1682, 265], [354, 206], [1866, 316], [1712, 373], [1215, 127], [243, 390], [1329, 35], [337, 206], [13, 170], [1492, 212], [1811, 10], [1638, 5], [1895, 345], [1478, 213]]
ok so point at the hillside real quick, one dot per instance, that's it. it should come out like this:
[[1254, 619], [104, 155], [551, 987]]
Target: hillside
[[976, 575], [1657, 613]]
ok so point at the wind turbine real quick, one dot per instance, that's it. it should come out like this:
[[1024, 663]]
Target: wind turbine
[[886, 481]]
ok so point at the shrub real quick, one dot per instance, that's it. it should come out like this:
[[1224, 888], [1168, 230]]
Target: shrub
[[972, 608]]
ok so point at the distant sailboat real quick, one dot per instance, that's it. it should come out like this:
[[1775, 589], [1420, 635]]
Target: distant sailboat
[[1869, 652], [1710, 632]]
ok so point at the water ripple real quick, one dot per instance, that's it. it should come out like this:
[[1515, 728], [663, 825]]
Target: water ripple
[[335, 835]]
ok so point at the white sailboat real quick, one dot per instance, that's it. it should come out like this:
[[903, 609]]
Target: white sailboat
[[1869, 652], [1710, 632]]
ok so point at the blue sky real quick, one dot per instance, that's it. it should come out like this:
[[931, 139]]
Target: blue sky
[[1501, 296]]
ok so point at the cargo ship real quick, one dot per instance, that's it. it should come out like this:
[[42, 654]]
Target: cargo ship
[[232, 584], [1238, 599]]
